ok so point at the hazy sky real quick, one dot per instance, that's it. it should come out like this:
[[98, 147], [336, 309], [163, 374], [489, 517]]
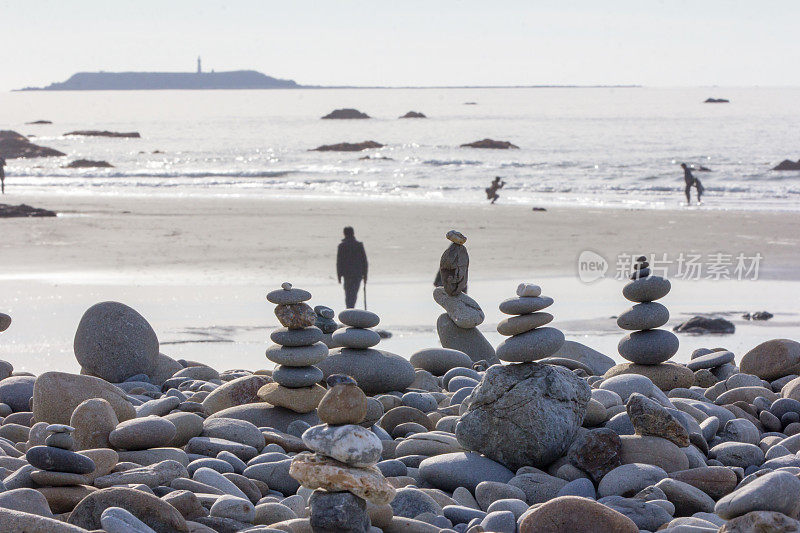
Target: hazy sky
[[410, 42]]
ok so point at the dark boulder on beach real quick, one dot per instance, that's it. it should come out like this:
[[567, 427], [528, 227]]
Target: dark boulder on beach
[[13, 145], [347, 147], [23, 211], [98, 133], [716, 101], [490, 143], [705, 325], [414, 114], [88, 163], [787, 164], [347, 113], [39, 122]]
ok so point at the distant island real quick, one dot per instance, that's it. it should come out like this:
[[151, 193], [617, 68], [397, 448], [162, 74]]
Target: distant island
[[140, 81]]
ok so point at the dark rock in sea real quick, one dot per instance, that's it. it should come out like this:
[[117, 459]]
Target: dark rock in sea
[[13, 145], [39, 122], [381, 158], [414, 114], [705, 325], [23, 210], [490, 143], [786, 164], [538, 209], [347, 147], [346, 114], [98, 133], [716, 101], [88, 163], [758, 315], [470, 103]]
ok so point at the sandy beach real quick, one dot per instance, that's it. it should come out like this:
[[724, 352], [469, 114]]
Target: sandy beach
[[198, 268]]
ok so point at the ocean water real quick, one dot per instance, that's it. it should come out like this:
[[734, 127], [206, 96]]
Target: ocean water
[[617, 147]]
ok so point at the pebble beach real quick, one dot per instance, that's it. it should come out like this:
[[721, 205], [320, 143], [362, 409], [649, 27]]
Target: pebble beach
[[334, 433]]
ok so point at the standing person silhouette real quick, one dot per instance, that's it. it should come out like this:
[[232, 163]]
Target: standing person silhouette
[[2, 175], [351, 264], [691, 181], [491, 190]]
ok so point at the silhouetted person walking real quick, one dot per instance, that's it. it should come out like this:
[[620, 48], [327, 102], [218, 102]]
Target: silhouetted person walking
[[491, 191], [2, 175], [691, 181], [351, 264]]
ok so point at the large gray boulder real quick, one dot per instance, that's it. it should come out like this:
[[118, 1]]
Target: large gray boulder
[[114, 342], [523, 414]]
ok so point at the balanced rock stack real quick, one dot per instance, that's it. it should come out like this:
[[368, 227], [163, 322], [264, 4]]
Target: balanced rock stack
[[297, 349], [342, 465], [458, 326], [55, 462], [325, 323], [527, 339], [647, 348], [375, 371]]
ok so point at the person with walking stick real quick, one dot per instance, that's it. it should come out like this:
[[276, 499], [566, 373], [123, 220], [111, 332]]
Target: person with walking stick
[[352, 265]]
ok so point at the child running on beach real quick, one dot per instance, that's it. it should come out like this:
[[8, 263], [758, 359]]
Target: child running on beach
[[491, 190]]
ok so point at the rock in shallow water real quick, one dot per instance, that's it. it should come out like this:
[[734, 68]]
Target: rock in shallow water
[[524, 414]]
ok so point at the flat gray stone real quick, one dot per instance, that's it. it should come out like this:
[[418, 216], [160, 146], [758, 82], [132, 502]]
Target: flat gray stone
[[356, 338], [288, 297], [438, 361], [626, 384], [358, 318], [776, 491], [375, 371], [649, 315], [296, 337], [737, 454], [58, 460], [535, 344], [525, 304], [712, 360], [628, 479], [297, 355], [142, 433], [646, 289], [598, 362], [463, 469], [296, 377], [648, 347], [514, 325]]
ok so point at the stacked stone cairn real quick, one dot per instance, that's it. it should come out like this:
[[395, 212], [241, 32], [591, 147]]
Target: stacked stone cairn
[[55, 463], [297, 349], [326, 323], [376, 371], [458, 326], [527, 339], [648, 347], [342, 466]]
